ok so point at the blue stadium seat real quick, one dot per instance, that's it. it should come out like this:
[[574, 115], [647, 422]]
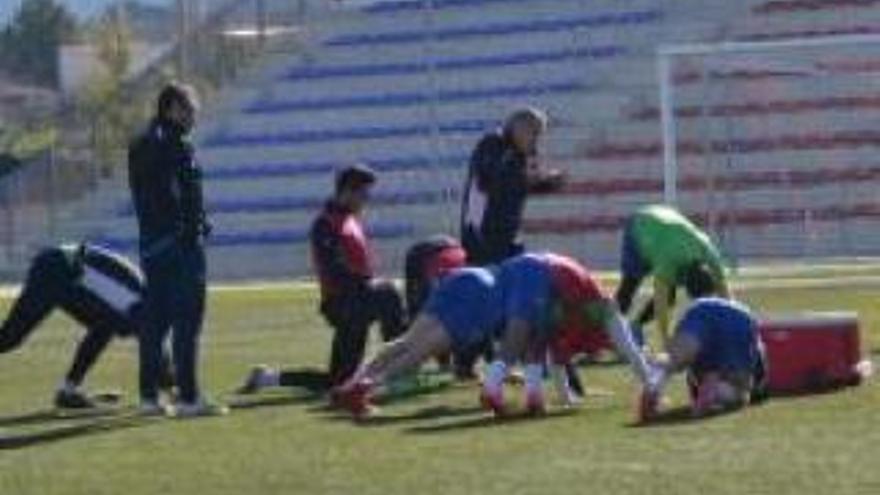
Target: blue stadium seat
[[270, 170], [312, 202], [500, 29], [404, 5], [379, 231], [223, 139], [413, 98], [453, 63]]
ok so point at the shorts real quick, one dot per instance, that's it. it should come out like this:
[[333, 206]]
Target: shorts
[[731, 348], [526, 282], [468, 304]]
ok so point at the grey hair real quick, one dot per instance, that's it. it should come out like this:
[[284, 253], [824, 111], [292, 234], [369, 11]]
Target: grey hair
[[531, 114]]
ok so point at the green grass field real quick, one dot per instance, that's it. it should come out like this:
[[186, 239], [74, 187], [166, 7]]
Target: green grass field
[[286, 443]]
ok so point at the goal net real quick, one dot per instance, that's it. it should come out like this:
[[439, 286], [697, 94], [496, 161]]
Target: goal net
[[774, 144]]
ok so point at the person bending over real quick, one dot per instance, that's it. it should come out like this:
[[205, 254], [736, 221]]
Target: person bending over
[[718, 345], [464, 310], [100, 289], [659, 241]]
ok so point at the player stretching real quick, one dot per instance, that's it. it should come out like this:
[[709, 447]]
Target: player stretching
[[525, 292], [100, 289], [660, 241], [565, 311], [427, 262], [718, 345]]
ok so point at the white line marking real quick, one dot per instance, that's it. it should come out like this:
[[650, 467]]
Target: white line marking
[[747, 282]]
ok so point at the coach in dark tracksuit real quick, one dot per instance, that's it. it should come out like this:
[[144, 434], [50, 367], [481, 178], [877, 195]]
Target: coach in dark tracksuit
[[503, 171], [352, 298], [100, 289], [166, 187]]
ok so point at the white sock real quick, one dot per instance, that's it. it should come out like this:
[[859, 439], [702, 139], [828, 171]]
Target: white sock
[[68, 387], [361, 376], [621, 335], [534, 380], [560, 382], [496, 373], [269, 378]]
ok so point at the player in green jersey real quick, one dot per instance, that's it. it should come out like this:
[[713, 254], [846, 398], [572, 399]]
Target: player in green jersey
[[660, 241]]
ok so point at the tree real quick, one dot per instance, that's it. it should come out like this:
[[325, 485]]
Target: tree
[[29, 45], [104, 102]]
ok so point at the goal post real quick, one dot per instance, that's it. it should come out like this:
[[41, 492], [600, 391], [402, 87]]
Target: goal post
[[757, 135]]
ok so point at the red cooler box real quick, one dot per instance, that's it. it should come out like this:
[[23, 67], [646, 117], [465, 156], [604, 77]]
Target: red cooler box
[[812, 352]]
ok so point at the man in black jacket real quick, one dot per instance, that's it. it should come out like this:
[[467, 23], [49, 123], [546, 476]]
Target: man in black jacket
[[166, 186], [504, 169]]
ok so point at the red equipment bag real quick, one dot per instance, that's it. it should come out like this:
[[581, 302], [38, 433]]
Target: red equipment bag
[[812, 352]]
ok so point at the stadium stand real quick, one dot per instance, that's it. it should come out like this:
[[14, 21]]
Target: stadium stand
[[409, 90]]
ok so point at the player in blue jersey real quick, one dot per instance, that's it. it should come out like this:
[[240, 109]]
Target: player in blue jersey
[[461, 312], [529, 297], [718, 345]]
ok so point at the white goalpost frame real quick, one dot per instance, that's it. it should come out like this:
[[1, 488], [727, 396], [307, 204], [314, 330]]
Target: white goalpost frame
[[664, 59]]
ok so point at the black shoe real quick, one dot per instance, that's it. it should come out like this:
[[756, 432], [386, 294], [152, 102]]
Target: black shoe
[[73, 400]]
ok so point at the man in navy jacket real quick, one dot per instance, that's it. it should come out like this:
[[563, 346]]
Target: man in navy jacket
[[165, 182]]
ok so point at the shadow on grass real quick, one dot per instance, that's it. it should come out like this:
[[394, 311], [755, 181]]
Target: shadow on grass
[[257, 402], [415, 392], [53, 415], [488, 421], [80, 429], [680, 415], [425, 414], [404, 395]]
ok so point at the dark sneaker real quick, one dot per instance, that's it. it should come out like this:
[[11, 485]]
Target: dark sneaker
[[253, 383], [65, 399]]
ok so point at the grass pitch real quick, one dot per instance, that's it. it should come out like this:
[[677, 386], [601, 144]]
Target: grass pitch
[[283, 442]]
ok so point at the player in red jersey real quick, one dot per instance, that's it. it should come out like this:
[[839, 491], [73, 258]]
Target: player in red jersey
[[565, 307]]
